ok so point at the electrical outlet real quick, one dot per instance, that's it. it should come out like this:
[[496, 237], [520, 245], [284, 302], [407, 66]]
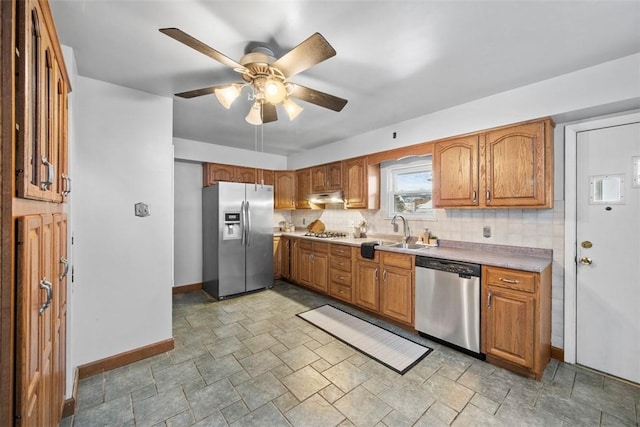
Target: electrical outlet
[[486, 231], [142, 209], [352, 223]]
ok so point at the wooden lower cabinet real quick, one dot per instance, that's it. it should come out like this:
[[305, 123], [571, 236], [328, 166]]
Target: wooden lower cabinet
[[320, 267], [41, 319], [396, 288], [277, 257], [516, 319], [366, 292]]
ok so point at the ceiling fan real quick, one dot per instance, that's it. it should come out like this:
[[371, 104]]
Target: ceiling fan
[[267, 76]]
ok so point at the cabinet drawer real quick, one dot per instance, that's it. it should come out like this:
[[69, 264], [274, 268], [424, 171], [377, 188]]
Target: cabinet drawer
[[340, 291], [321, 247], [305, 244], [341, 251], [397, 260], [341, 277], [343, 264], [512, 279]]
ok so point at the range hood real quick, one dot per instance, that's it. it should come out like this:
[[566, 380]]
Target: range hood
[[326, 198]]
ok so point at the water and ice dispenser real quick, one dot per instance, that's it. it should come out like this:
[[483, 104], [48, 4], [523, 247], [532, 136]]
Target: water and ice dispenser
[[231, 229]]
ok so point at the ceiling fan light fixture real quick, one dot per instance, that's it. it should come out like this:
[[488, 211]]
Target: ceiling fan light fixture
[[255, 114], [226, 95], [293, 110], [275, 91]]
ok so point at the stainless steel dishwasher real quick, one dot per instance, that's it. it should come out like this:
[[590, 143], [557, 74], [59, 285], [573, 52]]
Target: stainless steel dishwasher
[[447, 307]]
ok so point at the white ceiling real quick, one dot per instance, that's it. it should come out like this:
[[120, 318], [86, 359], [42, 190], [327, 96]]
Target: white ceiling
[[395, 60]]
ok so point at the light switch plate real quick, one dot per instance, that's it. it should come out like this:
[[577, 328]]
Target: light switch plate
[[142, 209]]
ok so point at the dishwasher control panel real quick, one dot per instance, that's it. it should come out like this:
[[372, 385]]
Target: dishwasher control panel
[[449, 266]]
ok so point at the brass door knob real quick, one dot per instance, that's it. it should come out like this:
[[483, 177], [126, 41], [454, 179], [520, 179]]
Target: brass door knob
[[586, 260]]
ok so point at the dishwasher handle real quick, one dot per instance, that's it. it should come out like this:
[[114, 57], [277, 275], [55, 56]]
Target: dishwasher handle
[[457, 267]]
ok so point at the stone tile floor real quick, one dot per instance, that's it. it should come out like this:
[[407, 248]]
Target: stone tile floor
[[249, 361]]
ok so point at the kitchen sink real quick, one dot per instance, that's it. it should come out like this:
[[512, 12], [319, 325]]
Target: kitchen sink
[[404, 245]]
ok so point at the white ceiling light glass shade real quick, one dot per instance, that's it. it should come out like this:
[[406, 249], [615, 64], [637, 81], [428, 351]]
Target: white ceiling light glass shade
[[292, 109], [275, 91], [255, 117], [226, 95]]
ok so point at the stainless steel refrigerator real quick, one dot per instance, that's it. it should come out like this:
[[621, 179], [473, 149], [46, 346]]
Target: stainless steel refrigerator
[[237, 244]]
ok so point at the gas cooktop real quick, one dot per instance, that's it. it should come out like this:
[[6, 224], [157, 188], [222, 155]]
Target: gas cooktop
[[327, 234]]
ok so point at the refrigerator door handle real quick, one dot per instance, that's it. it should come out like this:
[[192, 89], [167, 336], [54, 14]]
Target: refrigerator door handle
[[248, 208], [243, 224]]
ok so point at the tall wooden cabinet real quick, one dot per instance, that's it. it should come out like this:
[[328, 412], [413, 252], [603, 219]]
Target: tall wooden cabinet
[[360, 182], [501, 168], [33, 296], [285, 190], [303, 188]]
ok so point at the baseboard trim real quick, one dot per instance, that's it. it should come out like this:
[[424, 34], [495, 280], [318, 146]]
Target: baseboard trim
[[118, 360], [182, 289], [69, 407], [557, 353]]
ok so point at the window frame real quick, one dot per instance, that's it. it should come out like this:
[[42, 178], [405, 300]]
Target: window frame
[[389, 170]]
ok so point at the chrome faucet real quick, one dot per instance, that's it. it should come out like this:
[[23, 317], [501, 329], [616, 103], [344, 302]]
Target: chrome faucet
[[406, 233]]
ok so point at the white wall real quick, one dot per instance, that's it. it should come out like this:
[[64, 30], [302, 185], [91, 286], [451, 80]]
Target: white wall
[[188, 198], [123, 266], [186, 149], [188, 223], [607, 84]]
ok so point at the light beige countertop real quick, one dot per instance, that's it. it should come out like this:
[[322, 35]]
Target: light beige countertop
[[514, 257]]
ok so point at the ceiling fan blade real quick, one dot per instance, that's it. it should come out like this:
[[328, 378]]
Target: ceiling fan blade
[[199, 92], [196, 44], [269, 113], [310, 52], [319, 98]]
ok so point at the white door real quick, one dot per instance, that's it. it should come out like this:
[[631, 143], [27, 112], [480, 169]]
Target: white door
[[608, 250]]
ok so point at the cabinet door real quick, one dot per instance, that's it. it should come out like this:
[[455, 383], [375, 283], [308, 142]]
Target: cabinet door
[[35, 400], [245, 175], [303, 188], [59, 306], [320, 272], [285, 190], [366, 285], [318, 178], [355, 183], [455, 172], [396, 290], [334, 176], [277, 257], [304, 266], [509, 325], [62, 113], [285, 258], [214, 172], [266, 177], [515, 160]]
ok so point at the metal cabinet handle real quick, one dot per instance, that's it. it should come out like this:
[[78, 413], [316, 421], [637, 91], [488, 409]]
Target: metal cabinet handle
[[46, 184], [66, 190], [384, 276], [65, 271], [489, 300], [488, 195], [45, 284], [376, 273], [475, 195], [510, 281]]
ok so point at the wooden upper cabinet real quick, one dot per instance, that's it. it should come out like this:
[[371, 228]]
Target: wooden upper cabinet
[[216, 172], [303, 188], [326, 177], [285, 190], [510, 167], [455, 172], [518, 166], [41, 103], [361, 184], [265, 176]]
